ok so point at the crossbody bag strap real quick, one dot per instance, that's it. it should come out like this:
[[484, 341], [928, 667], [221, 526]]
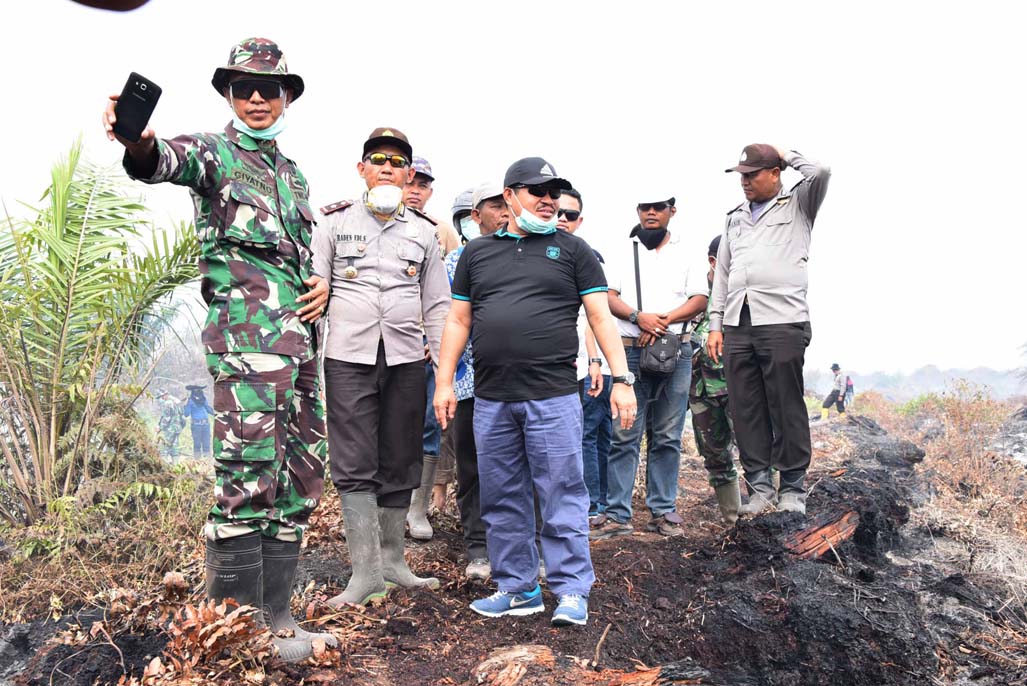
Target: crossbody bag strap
[[638, 279]]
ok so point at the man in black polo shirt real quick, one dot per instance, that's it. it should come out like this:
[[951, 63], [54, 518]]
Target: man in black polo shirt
[[521, 289]]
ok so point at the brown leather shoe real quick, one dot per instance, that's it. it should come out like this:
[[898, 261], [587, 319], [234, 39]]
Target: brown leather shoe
[[667, 524]]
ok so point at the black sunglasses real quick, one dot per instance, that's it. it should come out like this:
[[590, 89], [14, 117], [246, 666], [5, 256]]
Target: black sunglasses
[[541, 191], [269, 90], [572, 215], [378, 159], [658, 206]]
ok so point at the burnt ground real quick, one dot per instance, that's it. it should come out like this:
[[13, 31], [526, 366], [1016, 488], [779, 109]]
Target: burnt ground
[[716, 606]]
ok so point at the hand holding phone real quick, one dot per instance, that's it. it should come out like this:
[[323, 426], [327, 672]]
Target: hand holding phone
[[127, 115]]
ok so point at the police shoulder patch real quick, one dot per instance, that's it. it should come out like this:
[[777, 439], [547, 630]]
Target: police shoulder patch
[[422, 215], [336, 206]]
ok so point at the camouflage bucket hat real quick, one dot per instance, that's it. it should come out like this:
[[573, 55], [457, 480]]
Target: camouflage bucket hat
[[258, 56]]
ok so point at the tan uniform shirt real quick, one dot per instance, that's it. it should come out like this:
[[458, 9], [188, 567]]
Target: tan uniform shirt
[[763, 262], [386, 278]]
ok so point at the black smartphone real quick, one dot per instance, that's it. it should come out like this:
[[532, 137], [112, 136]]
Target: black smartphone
[[134, 107]]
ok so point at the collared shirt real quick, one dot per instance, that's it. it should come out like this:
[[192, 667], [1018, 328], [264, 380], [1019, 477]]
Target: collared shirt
[[386, 277], [839, 382], [463, 381], [525, 292], [669, 277], [763, 261], [254, 224]]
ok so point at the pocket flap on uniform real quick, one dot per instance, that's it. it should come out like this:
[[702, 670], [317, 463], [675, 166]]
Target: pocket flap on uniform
[[350, 249], [306, 212], [256, 222], [236, 396], [410, 251]]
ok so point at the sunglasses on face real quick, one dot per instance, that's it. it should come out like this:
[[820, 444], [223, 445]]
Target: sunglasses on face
[[572, 215], [658, 206], [269, 90], [542, 191], [380, 158]]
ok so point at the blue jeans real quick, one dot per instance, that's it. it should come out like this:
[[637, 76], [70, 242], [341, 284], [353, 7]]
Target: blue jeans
[[201, 438], [595, 445], [432, 437], [663, 401], [534, 443]]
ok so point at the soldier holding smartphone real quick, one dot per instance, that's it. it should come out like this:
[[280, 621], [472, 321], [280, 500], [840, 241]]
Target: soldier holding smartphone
[[255, 228]]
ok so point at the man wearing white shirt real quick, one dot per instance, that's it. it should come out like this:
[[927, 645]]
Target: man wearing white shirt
[[672, 293]]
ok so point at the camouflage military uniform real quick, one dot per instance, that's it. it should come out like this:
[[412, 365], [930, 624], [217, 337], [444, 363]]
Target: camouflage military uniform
[[254, 223], [170, 425], [711, 422]]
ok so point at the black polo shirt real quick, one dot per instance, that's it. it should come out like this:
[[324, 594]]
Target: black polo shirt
[[525, 293]]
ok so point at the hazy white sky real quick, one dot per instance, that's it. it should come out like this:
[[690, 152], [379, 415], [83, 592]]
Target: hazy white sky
[[916, 106]]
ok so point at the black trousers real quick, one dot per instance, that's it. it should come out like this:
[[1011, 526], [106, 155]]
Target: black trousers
[[375, 426], [763, 365], [835, 398], [468, 497]]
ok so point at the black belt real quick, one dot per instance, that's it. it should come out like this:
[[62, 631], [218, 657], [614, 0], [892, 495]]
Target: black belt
[[633, 342]]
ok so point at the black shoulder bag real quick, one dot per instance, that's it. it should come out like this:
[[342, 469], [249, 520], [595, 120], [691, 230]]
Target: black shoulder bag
[[660, 358]]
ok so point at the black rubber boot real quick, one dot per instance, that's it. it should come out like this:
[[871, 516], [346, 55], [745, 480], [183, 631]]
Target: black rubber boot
[[235, 570], [360, 516], [280, 560], [394, 565]]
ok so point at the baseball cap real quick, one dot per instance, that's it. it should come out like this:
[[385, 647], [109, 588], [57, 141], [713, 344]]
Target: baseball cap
[[422, 166], [484, 192], [533, 171], [757, 156], [387, 135], [714, 247]]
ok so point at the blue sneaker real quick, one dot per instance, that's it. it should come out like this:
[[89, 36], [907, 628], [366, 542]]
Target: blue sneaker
[[502, 603], [573, 609]]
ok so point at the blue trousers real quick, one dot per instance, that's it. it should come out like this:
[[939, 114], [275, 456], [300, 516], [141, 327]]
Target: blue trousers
[[201, 437], [662, 403], [526, 443], [595, 445], [432, 437]]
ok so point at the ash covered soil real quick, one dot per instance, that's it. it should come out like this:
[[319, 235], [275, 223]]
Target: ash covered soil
[[735, 607]]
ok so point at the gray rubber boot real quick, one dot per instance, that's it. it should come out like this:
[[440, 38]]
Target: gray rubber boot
[[762, 495], [729, 500], [417, 515], [360, 516], [792, 492], [280, 559], [235, 570], [394, 565]]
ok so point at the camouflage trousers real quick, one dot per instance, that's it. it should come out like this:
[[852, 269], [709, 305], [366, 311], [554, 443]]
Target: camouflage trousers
[[269, 445], [713, 437]]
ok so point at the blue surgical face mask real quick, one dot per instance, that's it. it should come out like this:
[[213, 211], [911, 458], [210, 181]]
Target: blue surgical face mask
[[469, 228], [532, 223], [260, 134]]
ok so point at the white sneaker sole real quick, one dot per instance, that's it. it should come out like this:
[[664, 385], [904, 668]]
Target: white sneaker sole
[[512, 612], [564, 620]]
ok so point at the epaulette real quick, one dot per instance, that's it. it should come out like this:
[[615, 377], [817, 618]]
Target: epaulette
[[422, 215], [336, 206], [735, 209]]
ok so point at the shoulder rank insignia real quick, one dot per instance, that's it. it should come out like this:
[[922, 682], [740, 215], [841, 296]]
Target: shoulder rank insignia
[[735, 209], [422, 215], [336, 206]]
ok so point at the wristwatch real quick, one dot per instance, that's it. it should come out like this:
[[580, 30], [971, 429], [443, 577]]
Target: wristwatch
[[628, 379], [595, 360], [633, 317]]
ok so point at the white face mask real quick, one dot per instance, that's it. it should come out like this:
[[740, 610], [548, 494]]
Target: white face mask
[[384, 200]]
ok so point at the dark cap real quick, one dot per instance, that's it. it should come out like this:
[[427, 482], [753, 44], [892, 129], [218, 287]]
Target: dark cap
[[835, 367], [533, 171], [757, 156], [714, 247], [385, 135]]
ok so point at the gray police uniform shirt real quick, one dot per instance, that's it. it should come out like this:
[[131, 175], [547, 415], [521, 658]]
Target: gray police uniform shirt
[[763, 262], [387, 277]]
